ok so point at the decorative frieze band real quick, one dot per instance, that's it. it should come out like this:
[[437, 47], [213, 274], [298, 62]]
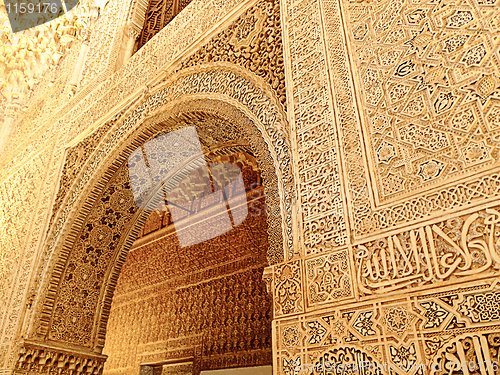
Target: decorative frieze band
[[43, 359]]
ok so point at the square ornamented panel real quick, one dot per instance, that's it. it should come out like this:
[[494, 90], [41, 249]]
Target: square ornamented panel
[[425, 136], [329, 278], [430, 90]]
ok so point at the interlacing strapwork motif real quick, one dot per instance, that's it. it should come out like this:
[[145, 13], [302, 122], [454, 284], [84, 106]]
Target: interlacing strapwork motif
[[397, 319], [321, 202], [80, 288], [416, 335], [291, 336], [430, 89], [408, 154], [481, 307], [329, 278]]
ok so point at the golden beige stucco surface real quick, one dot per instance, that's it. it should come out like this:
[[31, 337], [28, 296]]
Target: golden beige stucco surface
[[375, 127]]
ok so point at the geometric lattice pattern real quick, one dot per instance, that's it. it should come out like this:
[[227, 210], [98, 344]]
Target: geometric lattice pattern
[[387, 175], [429, 74], [420, 336]]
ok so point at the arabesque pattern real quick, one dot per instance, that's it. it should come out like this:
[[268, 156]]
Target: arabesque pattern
[[415, 89], [407, 146], [421, 335], [382, 177], [253, 41], [429, 75], [105, 230]]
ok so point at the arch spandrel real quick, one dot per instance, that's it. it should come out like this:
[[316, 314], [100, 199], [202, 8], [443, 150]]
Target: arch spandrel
[[222, 93]]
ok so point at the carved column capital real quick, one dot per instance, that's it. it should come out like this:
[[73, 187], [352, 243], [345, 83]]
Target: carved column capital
[[267, 276], [132, 31]]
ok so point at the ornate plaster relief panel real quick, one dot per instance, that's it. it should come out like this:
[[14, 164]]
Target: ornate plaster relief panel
[[104, 44], [453, 77], [398, 105], [18, 239], [206, 302], [428, 333], [413, 88], [169, 107], [428, 103], [315, 139], [109, 89], [84, 111]]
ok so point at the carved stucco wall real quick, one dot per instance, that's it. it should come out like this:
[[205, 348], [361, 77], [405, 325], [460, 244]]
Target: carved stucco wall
[[220, 88], [28, 54], [23, 235], [392, 110], [414, 95], [29, 171], [206, 302], [120, 223]]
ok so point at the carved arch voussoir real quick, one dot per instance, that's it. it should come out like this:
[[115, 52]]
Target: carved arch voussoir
[[224, 91]]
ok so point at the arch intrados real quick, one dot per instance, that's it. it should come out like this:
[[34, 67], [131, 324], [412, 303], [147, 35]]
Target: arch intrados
[[139, 219], [195, 108], [182, 109], [248, 94], [135, 225]]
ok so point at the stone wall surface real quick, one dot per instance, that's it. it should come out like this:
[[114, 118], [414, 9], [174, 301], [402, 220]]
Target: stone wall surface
[[414, 87], [31, 171], [384, 249]]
